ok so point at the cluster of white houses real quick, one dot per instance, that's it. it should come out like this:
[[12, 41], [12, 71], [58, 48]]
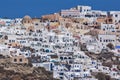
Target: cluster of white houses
[[56, 41]]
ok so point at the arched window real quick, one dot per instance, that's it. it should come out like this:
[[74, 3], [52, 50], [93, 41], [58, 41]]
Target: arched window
[[61, 58], [15, 60], [65, 57], [47, 50], [20, 60]]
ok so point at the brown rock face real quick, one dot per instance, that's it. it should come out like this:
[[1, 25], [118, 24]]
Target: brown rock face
[[10, 71]]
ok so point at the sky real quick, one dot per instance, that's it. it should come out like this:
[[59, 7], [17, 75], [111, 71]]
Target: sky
[[37, 8]]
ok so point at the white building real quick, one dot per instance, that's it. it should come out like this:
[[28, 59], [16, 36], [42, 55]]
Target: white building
[[115, 15], [108, 27], [105, 39], [84, 8]]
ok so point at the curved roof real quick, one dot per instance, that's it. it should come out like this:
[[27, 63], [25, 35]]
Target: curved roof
[[26, 17]]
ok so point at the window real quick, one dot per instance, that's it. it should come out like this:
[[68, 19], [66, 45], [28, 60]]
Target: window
[[20, 60], [40, 39], [106, 40], [61, 73], [67, 34], [77, 70], [36, 24], [116, 15], [9, 40], [61, 77], [13, 40], [103, 29], [15, 60], [36, 50]]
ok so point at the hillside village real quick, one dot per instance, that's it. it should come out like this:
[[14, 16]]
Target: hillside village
[[74, 44]]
